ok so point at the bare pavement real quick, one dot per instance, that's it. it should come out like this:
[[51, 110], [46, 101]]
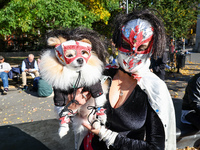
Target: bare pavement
[[28, 122]]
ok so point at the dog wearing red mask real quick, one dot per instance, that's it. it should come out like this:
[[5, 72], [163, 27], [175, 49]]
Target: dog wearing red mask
[[74, 64]]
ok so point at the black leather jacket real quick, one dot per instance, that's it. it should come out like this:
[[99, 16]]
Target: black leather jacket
[[191, 99]]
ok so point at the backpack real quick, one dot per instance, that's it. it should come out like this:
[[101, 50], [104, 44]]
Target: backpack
[[43, 88]]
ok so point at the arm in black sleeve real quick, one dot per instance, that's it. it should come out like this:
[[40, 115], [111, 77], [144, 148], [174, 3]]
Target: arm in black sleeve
[[96, 89], [164, 61], [194, 95], [159, 64], [60, 97], [155, 136]]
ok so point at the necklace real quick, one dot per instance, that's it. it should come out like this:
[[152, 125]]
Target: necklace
[[121, 93]]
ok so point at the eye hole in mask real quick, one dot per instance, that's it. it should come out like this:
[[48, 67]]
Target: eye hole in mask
[[70, 53], [85, 53], [125, 45], [143, 47]]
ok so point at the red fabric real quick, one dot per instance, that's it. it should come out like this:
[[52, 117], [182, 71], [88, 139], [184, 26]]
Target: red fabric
[[137, 77], [87, 142], [101, 112], [109, 66], [64, 120]]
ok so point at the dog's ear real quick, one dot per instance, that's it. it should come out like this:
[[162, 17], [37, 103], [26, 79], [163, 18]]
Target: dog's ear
[[53, 41], [62, 39], [86, 41]]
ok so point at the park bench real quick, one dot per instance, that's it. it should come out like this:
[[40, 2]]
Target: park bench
[[13, 76]]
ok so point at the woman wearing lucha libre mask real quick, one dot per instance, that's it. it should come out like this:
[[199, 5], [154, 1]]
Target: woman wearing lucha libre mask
[[139, 108]]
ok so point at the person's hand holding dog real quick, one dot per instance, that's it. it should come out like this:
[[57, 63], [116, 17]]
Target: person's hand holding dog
[[81, 97], [104, 134], [90, 128]]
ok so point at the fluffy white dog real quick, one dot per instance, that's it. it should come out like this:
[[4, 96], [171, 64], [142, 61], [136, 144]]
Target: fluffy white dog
[[72, 64]]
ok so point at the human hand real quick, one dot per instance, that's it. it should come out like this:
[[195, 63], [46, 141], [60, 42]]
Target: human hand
[[104, 134], [30, 70], [90, 128], [81, 97], [6, 71]]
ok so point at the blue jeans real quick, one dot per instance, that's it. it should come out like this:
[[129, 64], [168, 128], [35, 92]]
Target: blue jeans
[[4, 78]]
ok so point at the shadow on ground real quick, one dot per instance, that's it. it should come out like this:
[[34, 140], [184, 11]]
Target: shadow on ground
[[39, 135], [20, 140], [177, 76], [176, 82]]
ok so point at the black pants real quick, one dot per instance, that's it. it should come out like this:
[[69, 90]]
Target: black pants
[[194, 118]]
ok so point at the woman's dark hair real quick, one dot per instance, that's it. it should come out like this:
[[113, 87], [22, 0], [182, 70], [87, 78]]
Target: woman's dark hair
[[159, 37]]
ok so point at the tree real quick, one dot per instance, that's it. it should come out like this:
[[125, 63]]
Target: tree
[[178, 15], [35, 17], [31, 19], [105, 11]]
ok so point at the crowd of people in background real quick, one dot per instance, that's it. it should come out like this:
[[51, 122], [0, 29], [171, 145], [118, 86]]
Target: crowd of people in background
[[29, 67]]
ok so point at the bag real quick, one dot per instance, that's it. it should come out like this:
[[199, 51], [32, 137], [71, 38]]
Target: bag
[[44, 89], [35, 83], [14, 72]]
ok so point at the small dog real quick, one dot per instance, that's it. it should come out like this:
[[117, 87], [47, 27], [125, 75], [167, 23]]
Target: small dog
[[71, 65]]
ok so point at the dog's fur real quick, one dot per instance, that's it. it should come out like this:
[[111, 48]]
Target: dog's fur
[[63, 77]]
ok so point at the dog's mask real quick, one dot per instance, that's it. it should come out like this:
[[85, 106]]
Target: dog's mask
[[73, 54]]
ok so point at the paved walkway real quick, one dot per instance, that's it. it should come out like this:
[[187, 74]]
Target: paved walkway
[[27, 122]]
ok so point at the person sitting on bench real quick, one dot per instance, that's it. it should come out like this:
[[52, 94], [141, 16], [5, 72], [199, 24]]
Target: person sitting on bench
[[191, 102], [29, 67], [4, 69]]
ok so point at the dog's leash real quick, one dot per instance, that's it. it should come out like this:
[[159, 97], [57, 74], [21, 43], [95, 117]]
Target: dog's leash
[[65, 109], [94, 110], [75, 87]]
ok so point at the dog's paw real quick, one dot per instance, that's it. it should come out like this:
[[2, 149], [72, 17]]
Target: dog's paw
[[102, 119], [63, 130], [96, 124]]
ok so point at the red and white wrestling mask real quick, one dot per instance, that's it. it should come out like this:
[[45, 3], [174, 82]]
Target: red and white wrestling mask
[[136, 46], [73, 53]]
